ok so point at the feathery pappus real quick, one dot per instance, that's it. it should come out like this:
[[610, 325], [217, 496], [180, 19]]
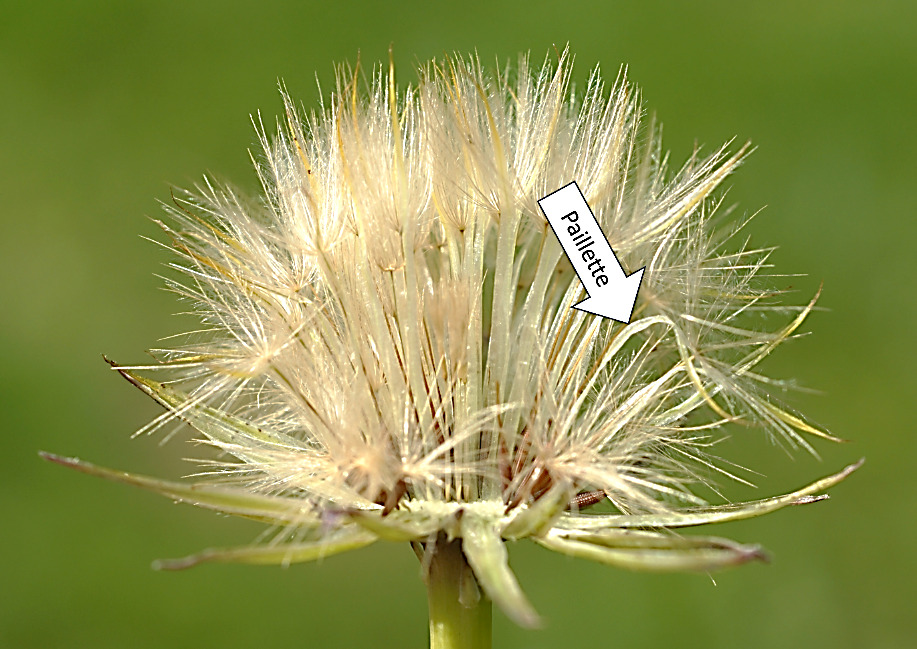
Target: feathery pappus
[[388, 349]]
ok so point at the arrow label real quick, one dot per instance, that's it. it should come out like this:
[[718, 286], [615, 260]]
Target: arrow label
[[612, 292]]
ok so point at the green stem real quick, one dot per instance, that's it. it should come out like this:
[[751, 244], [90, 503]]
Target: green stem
[[460, 614]]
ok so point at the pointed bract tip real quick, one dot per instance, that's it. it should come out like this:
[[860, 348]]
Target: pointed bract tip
[[853, 467], [757, 553], [59, 459], [120, 369], [172, 565]]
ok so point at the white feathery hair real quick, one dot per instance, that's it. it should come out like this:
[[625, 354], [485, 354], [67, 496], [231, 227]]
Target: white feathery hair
[[389, 350]]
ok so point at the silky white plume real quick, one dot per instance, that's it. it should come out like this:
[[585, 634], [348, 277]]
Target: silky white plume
[[388, 349]]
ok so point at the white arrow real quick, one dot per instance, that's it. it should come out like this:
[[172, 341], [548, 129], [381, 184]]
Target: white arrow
[[612, 292]]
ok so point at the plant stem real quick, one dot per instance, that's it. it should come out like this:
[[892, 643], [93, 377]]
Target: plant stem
[[460, 614]]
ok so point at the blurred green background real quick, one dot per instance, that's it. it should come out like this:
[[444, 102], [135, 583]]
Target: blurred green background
[[106, 105]]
